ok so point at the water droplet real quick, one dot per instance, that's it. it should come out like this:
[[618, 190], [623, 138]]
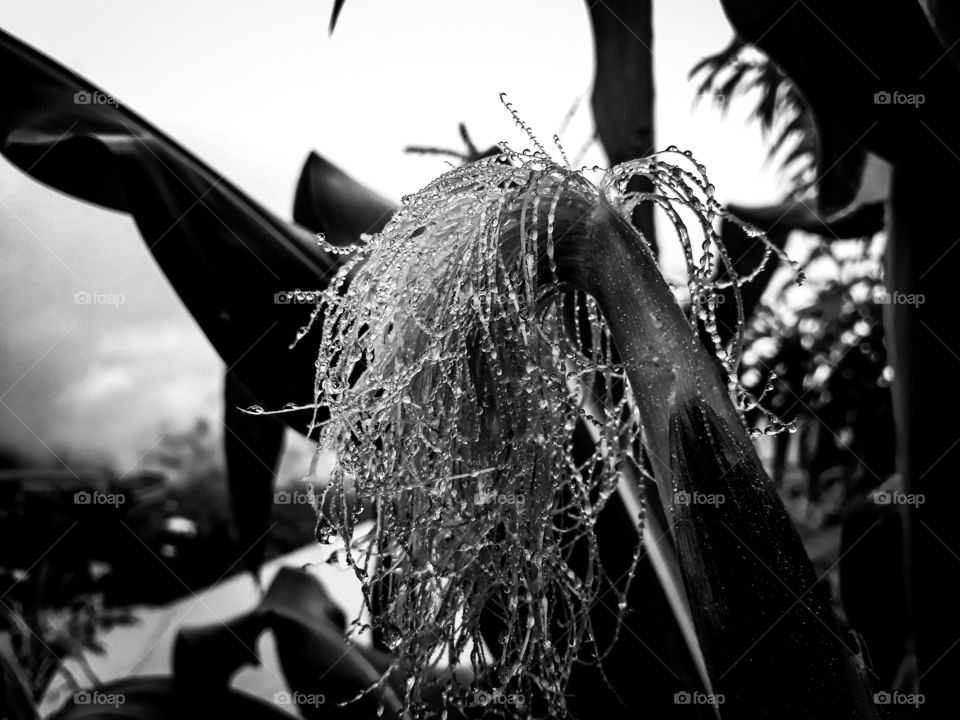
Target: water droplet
[[391, 636], [507, 672]]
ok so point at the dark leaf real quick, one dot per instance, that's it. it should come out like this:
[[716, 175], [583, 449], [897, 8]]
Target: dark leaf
[[747, 567], [838, 56], [326, 201], [730, 73], [335, 15], [252, 447], [742, 562], [944, 16], [16, 700], [226, 256], [714, 65], [766, 109], [314, 656], [470, 153], [623, 87], [922, 342], [331, 202], [800, 127], [732, 84]]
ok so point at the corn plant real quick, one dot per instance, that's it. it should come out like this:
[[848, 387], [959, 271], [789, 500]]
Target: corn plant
[[504, 303], [517, 297]]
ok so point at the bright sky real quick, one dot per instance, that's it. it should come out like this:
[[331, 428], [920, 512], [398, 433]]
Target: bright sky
[[252, 87]]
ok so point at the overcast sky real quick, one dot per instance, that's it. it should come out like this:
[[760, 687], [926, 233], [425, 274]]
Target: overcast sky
[[252, 87]]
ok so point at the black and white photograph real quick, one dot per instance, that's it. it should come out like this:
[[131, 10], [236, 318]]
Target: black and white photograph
[[455, 360]]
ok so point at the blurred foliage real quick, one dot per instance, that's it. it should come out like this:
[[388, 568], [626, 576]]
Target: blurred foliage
[[166, 540], [49, 629], [824, 343], [742, 70]]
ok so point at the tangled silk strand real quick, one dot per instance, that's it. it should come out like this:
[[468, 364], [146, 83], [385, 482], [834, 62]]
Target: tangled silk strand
[[454, 368]]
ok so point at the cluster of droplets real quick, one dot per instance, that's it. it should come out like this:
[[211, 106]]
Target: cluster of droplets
[[773, 425], [679, 182], [456, 367]]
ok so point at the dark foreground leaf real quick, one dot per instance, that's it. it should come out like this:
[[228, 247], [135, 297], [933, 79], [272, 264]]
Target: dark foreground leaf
[[335, 15], [319, 666], [838, 55], [331, 202], [252, 447], [16, 701], [229, 259], [623, 87]]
